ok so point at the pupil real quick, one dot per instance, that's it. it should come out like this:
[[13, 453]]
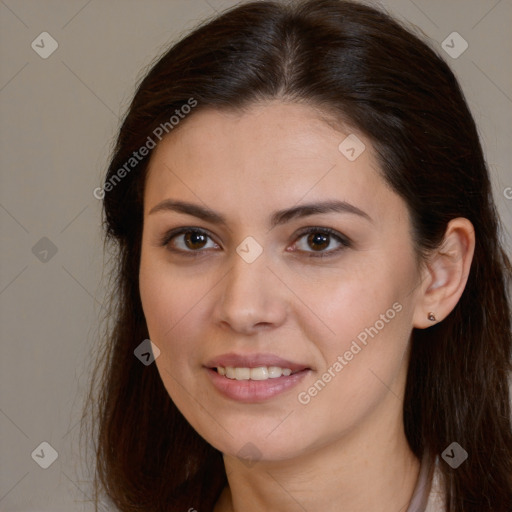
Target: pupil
[[318, 241], [195, 240]]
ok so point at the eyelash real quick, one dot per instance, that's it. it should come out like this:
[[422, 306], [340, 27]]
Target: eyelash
[[344, 241]]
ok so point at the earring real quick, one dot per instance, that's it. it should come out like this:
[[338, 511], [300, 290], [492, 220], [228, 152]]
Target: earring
[[431, 317]]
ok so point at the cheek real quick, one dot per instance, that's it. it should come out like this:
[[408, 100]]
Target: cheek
[[362, 338], [157, 303], [176, 305], [165, 302], [169, 308], [356, 300]]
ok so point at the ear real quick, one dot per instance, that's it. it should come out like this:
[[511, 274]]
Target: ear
[[445, 274]]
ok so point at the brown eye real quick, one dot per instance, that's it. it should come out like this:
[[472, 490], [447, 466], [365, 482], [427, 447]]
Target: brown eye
[[321, 242], [318, 241], [195, 240], [188, 241]]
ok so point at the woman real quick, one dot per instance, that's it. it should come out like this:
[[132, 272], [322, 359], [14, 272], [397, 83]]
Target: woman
[[306, 234]]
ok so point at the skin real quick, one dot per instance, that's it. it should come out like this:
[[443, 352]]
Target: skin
[[346, 449]]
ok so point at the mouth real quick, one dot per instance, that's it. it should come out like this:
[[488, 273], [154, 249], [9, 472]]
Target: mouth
[[254, 378]]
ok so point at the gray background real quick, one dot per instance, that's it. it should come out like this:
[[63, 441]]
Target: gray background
[[59, 117]]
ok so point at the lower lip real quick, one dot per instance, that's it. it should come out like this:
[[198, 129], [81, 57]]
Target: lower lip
[[251, 391]]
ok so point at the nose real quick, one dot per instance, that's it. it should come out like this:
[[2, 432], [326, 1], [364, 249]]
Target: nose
[[252, 299]]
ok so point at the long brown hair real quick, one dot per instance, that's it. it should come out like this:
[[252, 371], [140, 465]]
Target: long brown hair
[[360, 65]]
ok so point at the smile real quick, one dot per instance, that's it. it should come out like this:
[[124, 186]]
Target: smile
[[252, 378]]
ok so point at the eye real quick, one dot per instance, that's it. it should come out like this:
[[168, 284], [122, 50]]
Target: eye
[[322, 241], [191, 240]]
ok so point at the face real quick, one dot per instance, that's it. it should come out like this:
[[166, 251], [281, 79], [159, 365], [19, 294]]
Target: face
[[268, 248]]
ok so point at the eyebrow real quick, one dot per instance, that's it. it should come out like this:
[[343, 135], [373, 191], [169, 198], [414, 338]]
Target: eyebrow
[[279, 217]]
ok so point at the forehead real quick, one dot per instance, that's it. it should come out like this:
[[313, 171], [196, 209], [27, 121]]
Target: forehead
[[276, 153], [301, 131]]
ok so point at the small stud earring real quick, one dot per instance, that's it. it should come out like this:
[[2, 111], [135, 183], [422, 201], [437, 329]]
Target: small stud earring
[[431, 317]]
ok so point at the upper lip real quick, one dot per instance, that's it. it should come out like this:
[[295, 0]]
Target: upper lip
[[253, 361]]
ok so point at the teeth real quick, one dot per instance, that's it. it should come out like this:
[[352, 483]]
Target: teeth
[[242, 373], [260, 373], [275, 371]]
